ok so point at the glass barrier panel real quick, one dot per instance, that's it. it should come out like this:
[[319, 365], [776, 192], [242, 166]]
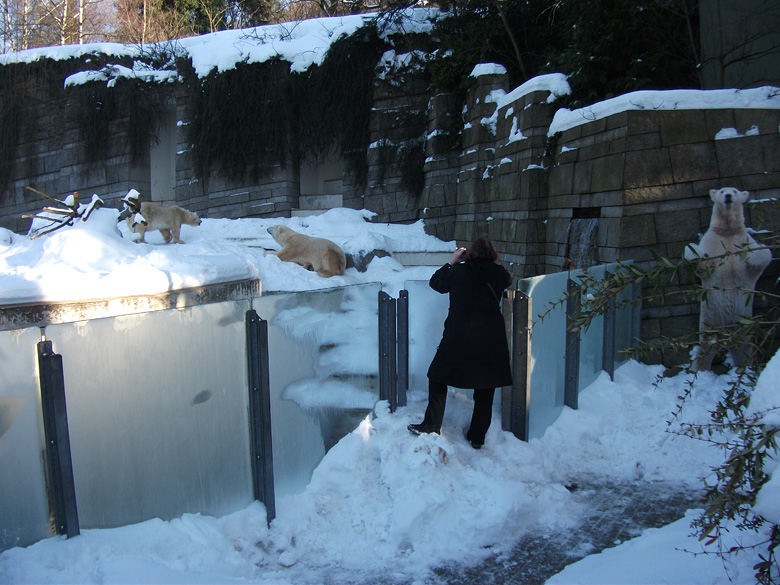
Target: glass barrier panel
[[323, 352], [427, 312], [591, 338], [627, 315], [548, 347], [24, 508], [157, 410]]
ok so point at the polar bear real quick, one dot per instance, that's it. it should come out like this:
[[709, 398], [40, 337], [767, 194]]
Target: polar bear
[[318, 254], [729, 262], [166, 218]]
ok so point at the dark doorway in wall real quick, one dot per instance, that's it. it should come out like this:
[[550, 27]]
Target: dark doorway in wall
[[586, 212]]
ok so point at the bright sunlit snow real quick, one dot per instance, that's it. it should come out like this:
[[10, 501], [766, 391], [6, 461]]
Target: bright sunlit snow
[[99, 258]]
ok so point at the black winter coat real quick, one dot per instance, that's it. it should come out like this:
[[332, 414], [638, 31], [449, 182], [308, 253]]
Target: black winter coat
[[473, 352]]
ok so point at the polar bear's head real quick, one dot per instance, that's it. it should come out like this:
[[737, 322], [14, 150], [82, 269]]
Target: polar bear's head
[[280, 233], [727, 211], [728, 195]]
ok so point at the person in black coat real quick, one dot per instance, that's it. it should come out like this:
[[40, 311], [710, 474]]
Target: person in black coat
[[473, 352]]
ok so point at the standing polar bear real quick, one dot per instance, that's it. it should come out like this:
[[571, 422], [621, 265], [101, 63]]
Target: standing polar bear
[[317, 254], [166, 218], [729, 262]]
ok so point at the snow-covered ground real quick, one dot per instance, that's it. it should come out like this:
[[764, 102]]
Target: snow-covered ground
[[382, 503], [98, 258]]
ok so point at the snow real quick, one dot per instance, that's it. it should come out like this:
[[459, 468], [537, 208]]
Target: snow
[[727, 133], [659, 556], [99, 258], [553, 83], [481, 69], [301, 43], [110, 73], [765, 400], [680, 99], [765, 404], [382, 501]]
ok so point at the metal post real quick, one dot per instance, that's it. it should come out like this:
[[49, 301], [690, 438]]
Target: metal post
[[519, 398], [59, 465], [506, 392], [571, 383], [402, 335], [261, 447], [608, 348], [387, 352]]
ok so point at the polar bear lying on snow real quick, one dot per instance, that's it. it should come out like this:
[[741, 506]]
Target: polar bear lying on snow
[[729, 262], [317, 254]]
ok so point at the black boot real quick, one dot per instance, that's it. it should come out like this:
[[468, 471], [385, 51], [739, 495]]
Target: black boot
[[422, 428]]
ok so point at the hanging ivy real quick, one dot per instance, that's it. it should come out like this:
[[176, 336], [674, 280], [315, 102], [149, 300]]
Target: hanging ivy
[[133, 107], [24, 89], [251, 119], [10, 120], [241, 120], [243, 123], [338, 97]]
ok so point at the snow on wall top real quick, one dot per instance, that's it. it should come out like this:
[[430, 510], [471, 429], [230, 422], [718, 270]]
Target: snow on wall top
[[487, 69], [301, 43], [555, 83], [680, 99]]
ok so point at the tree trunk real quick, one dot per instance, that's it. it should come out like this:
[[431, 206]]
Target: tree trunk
[[64, 23], [81, 22]]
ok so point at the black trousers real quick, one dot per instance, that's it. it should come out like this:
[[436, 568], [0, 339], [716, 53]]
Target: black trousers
[[480, 418]]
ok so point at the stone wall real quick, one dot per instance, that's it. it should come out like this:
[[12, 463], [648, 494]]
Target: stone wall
[[650, 173], [51, 158], [275, 194], [643, 176], [640, 177]]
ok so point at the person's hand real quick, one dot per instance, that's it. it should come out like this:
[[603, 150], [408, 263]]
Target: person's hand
[[458, 256]]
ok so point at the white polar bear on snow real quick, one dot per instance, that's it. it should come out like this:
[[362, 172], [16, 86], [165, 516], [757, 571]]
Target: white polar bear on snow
[[317, 254], [729, 262]]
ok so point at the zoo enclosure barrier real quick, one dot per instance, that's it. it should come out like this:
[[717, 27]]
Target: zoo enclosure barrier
[[552, 361], [207, 408]]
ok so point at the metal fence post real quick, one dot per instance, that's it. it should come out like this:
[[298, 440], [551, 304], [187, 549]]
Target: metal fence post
[[608, 348], [387, 349], [59, 465], [519, 395], [571, 390], [261, 447], [402, 335], [507, 299]]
